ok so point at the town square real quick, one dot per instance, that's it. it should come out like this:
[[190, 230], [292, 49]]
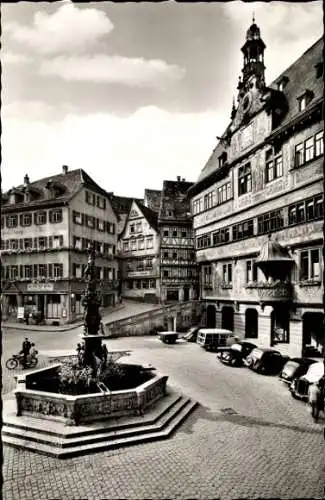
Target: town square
[[162, 269]]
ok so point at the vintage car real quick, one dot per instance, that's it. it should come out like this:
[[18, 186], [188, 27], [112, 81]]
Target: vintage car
[[295, 368], [215, 339], [236, 353], [299, 386], [168, 337], [265, 360]]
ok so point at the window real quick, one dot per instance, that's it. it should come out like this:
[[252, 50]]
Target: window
[[165, 273], [243, 230], [90, 221], [204, 241], [42, 270], [2, 221], [319, 144], [125, 246], [27, 271], [302, 102], [77, 218], [26, 219], [174, 234], [309, 149], [28, 243], [13, 244], [149, 242], [132, 228], [40, 218], [141, 244], [90, 198], [57, 241], [224, 193], [57, 270], [311, 209], [221, 236], [251, 271], [299, 155], [133, 245], [55, 216], [207, 276], [274, 166], [101, 202], [184, 234], [310, 264], [12, 221], [166, 255], [12, 272], [227, 273], [197, 208], [222, 159], [100, 225], [138, 227], [209, 200], [270, 221], [152, 283], [244, 179]]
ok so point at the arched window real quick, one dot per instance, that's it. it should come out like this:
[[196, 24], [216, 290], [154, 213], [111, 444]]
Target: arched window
[[251, 324], [227, 318]]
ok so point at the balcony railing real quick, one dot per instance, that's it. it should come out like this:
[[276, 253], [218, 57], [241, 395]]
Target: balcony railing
[[272, 291]]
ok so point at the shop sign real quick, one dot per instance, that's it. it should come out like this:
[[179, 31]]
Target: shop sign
[[40, 287]]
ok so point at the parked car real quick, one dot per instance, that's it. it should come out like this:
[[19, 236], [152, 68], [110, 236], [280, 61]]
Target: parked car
[[299, 386], [265, 360], [295, 368], [168, 337], [213, 339], [311, 352], [236, 353], [191, 334]]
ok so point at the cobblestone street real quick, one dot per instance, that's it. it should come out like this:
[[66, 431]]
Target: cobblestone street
[[248, 439]]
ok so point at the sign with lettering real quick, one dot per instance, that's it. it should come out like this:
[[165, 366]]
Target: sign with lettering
[[40, 287], [20, 313]]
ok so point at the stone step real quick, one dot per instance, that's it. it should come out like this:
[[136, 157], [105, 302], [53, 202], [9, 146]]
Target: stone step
[[100, 435], [85, 448], [57, 428]]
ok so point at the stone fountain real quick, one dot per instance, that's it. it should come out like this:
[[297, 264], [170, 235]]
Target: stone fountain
[[97, 420]]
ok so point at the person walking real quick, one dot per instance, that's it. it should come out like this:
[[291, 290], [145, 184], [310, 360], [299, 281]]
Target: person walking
[[314, 399], [33, 351], [25, 348]]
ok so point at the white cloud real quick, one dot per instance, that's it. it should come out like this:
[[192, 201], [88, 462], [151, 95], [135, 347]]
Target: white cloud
[[68, 29], [121, 154], [15, 58], [113, 69], [27, 110]]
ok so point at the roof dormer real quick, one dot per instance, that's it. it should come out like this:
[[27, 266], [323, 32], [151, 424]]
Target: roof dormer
[[304, 99], [282, 83]]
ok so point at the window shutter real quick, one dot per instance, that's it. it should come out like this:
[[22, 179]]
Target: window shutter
[[35, 242], [50, 216], [61, 240], [50, 241], [50, 270], [21, 219], [35, 271]]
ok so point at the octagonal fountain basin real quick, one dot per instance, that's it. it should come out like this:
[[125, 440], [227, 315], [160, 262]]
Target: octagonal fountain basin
[[37, 395]]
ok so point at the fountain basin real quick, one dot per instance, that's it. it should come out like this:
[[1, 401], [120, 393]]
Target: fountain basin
[[75, 409]]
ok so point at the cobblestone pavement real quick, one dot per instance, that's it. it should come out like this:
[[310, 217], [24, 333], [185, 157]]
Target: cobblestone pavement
[[248, 439]]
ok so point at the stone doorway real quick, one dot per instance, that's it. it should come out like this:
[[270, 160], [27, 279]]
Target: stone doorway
[[227, 318], [211, 316]]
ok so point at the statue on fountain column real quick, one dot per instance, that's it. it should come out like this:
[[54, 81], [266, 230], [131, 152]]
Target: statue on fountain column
[[92, 318]]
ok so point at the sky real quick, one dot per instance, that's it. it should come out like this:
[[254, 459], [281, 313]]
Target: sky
[[132, 93]]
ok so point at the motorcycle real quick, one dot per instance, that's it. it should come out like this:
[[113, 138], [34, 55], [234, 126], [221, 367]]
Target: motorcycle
[[18, 360]]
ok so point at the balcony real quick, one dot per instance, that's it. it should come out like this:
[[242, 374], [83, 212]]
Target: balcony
[[274, 291]]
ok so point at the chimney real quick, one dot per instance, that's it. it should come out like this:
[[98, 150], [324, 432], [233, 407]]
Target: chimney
[[178, 178], [26, 180], [183, 179], [65, 169]]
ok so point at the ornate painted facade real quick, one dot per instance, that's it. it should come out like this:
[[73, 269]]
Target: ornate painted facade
[[258, 207]]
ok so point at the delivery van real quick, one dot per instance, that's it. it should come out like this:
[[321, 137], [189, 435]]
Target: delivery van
[[213, 339]]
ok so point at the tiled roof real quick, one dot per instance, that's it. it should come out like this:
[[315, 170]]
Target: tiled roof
[[150, 215], [122, 204], [69, 183], [175, 201], [152, 199], [301, 77]]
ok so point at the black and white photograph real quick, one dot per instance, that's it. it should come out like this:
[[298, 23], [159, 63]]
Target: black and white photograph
[[162, 250]]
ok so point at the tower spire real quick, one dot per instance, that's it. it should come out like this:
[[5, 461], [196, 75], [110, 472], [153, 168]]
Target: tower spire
[[253, 18], [253, 51]]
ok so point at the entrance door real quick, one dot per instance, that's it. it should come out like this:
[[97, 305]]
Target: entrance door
[[227, 318], [186, 293], [41, 306], [211, 316]]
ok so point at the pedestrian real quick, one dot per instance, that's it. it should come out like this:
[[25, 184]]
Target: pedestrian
[[80, 354], [314, 399], [25, 348], [104, 355], [33, 351]]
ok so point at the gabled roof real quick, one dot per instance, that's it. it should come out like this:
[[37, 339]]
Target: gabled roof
[[174, 200], [122, 204], [150, 215], [70, 182]]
